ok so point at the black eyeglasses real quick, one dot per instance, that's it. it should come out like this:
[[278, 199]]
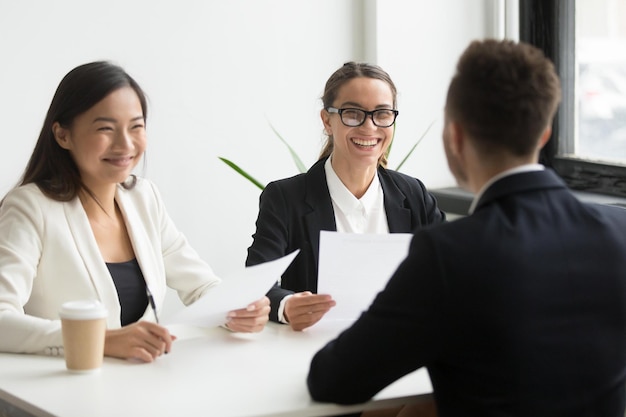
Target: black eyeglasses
[[356, 117]]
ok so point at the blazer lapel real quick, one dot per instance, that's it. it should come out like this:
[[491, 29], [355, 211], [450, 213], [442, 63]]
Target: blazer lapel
[[96, 267], [317, 197], [398, 216], [142, 245]]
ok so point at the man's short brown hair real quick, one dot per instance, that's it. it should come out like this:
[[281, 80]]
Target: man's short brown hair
[[504, 94]]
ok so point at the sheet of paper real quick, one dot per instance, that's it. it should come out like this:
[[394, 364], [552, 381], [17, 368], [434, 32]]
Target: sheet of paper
[[354, 268], [236, 291]]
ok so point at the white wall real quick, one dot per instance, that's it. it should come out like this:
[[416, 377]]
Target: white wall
[[216, 72], [419, 42]]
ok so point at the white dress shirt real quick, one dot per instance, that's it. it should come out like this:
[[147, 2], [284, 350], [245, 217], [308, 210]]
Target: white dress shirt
[[356, 215]]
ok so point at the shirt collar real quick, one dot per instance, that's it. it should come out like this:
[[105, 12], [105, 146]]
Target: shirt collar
[[517, 170], [345, 200]]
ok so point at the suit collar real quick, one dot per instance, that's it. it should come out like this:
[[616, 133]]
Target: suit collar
[[96, 266], [322, 217], [516, 170], [518, 183], [87, 246], [317, 197], [137, 233], [398, 216]]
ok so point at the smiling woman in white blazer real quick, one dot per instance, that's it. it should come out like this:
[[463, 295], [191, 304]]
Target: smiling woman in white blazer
[[79, 213]]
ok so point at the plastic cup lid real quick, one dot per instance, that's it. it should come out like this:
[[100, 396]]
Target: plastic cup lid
[[83, 310]]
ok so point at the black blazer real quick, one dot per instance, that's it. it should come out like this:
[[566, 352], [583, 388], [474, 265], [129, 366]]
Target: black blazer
[[516, 310], [292, 212]]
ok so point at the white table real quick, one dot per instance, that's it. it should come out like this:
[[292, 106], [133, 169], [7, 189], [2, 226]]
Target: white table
[[210, 372]]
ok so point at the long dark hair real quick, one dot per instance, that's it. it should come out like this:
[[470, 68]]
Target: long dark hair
[[50, 166], [348, 71]]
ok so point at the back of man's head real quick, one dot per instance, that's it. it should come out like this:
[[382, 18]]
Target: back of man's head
[[504, 95]]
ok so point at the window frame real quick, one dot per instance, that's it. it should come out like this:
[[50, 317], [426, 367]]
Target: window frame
[[550, 25]]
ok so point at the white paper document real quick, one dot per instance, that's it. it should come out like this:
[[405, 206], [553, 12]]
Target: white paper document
[[236, 291], [354, 268]]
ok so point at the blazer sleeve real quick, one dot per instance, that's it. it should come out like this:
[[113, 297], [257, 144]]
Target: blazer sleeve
[[270, 241], [398, 334], [22, 226]]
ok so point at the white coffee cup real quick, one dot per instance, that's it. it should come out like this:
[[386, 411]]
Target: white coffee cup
[[83, 324]]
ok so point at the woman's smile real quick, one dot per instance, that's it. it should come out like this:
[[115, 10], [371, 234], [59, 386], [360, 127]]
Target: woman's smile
[[366, 143], [120, 161]]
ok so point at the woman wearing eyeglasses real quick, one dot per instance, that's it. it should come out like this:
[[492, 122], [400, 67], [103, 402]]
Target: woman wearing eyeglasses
[[347, 190]]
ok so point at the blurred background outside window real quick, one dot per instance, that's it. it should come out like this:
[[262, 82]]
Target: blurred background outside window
[[601, 81]]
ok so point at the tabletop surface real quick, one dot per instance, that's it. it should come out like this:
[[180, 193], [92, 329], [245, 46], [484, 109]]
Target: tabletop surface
[[208, 372]]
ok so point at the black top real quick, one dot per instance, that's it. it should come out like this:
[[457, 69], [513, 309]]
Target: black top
[[131, 290]]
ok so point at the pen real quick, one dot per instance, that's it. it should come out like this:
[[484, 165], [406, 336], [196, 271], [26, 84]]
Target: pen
[[152, 304]]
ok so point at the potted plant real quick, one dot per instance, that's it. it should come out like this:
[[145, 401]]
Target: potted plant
[[300, 165]]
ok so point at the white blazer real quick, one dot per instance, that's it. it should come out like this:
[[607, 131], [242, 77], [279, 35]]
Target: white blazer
[[49, 255]]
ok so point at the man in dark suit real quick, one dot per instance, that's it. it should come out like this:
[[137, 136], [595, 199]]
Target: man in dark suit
[[518, 309]]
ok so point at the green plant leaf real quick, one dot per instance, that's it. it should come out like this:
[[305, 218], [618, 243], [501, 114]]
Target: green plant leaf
[[242, 172], [294, 155], [415, 145]]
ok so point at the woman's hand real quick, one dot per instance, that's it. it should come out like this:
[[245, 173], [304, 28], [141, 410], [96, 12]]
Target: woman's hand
[[251, 319], [142, 340], [304, 309]]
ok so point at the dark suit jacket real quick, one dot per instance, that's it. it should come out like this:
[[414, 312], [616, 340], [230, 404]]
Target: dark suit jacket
[[294, 210], [516, 310]]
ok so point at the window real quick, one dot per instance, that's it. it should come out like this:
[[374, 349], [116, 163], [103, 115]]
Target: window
[[586, 39]]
